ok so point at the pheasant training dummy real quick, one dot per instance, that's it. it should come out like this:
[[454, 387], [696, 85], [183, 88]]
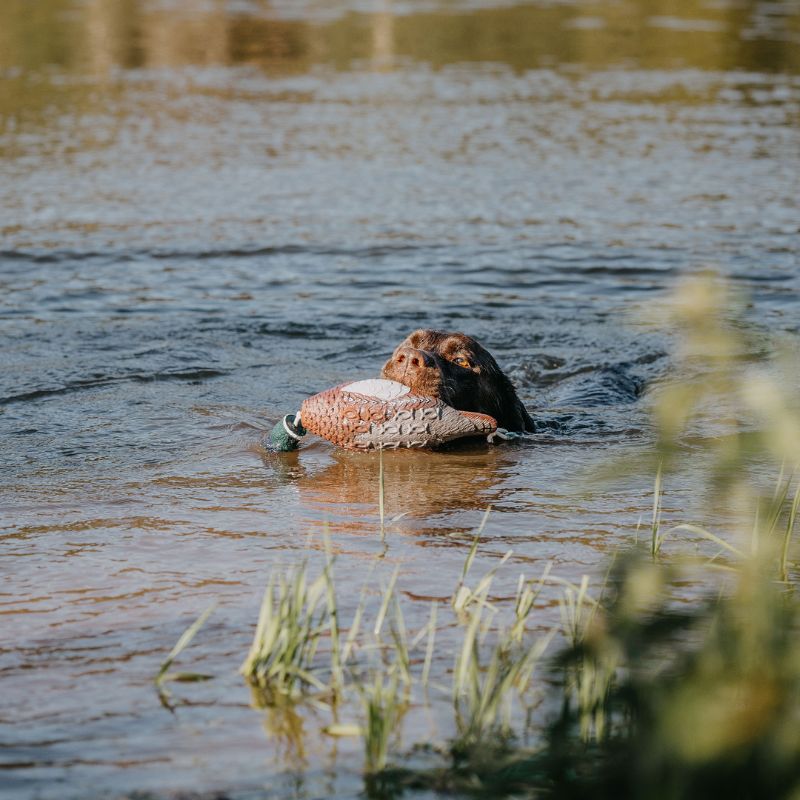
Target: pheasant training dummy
[[377, 414]]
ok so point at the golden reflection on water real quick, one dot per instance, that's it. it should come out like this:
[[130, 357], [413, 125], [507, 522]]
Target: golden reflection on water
[[414, 485], [43, 43], [101, 35]]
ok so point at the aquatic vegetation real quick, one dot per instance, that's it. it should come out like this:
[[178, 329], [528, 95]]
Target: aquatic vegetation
[[484, 689], [463, 596], [526, 597], [165, 676], [293, 618], [384, 703], [587, 680], [645, 694], [286, 662], [705, 700], [698, 699]]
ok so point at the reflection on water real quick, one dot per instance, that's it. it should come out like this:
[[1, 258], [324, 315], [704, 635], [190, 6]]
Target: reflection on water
[[471, 480], [209, 210], [100, 35]]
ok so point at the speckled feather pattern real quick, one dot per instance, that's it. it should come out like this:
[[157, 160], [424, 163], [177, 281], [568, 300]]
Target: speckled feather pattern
[[358, 421]]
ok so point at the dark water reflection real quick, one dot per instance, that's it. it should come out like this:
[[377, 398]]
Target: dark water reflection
[[209, 210]]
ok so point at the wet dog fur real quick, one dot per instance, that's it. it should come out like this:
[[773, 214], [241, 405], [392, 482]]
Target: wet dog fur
[[459, 371]]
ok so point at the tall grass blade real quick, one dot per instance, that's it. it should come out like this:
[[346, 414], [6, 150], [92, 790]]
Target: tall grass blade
[[355, 626], [182, 643], [655, 539], [702, 532], [381, 495], [787, 536], [387, 597], [426, 667]]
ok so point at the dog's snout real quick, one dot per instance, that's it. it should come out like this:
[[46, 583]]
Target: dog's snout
[[411, 358]]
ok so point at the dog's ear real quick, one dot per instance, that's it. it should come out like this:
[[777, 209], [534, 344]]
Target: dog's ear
[[497, 395], [510, 412], [499, 398]]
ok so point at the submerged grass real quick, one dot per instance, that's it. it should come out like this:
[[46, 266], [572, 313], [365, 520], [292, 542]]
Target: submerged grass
[[300, 652]]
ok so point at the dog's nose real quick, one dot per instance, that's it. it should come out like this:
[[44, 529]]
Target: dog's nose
[[411, 359]]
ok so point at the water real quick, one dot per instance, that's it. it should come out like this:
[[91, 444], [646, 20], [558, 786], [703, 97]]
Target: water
[[209, 211]]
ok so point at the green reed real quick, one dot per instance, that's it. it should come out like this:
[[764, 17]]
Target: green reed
[[463, 596], [291, 623], [384, 703], [787, 535], [165, 676], [484, 687]]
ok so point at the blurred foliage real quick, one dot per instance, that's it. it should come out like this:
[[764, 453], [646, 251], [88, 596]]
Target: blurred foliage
[[700, 698], [706, 699], [733, 394]]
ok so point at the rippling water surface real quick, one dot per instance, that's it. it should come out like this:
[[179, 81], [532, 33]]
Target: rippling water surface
[[209, 211]]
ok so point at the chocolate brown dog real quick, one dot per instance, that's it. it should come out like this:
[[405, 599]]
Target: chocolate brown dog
[[456, 369]]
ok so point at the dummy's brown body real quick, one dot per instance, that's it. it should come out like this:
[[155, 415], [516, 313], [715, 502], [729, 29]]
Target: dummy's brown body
[[357, 421]]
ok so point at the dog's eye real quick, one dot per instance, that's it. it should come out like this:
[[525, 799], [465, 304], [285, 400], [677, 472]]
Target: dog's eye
[[461, 361]]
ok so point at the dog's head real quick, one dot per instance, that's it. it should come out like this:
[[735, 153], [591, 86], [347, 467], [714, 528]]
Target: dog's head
[[459, 371]]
